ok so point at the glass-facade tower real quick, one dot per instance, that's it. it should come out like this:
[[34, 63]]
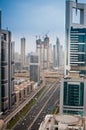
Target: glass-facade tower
[[78, 49], [73, 87], [34, 68], [72, 96], [75, 37], [7, 71], [7, 96]]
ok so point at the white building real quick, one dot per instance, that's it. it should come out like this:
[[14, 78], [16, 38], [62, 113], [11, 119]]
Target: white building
[[63, 122]]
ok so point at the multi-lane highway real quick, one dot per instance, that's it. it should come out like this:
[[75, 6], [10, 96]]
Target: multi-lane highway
[[20, 106], [44, 105]]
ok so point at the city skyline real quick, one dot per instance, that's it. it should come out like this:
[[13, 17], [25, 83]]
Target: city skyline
[[51, 79], [34, 18], [30, 18]]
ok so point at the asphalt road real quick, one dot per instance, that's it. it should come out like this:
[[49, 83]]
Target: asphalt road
[[47, 110], [7, 117], [44, 106]]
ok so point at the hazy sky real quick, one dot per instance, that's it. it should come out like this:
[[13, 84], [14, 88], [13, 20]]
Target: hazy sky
[[28, 18]]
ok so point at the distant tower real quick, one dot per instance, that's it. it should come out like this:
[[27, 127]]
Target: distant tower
[[46, 53], [58, 52], [54, 56], [23, 42], [42, 48], [39, 50], [50, 56], [34, 67]]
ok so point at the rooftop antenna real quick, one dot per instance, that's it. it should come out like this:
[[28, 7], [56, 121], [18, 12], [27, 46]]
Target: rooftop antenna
[[76, 6]]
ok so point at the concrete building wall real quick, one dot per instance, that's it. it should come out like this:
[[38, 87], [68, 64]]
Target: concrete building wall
[[23, 90]]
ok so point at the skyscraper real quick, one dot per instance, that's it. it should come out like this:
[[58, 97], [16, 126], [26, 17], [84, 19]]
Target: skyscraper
[[42, 48], [6, 70], [39, 50], [46, 53], [50, 56], [54, 56], [73, 96], [23, 42], [75, 37], [58, 58], [34, 68], [58, 52], [73, 87]]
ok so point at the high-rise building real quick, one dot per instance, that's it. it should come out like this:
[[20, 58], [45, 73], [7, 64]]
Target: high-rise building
[[73, 87], [54, 56], [42, 48], [39, 50], [58, 57], [50, 56], [46, 53], [58, 52], [7, 71], [7, 96], [73, 96], [75, 37], [34, 68], [17, 60], [23, 42]]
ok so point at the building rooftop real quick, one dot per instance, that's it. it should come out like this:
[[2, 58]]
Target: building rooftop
[[63, 122], [67, 119], [23, 85], [74, 75]]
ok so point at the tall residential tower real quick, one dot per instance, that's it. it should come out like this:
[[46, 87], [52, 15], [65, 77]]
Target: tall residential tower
[[7, 96], [75, 37], [73, 87], [23, 42]]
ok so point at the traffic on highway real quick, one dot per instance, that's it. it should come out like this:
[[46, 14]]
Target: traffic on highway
[[43, 106]]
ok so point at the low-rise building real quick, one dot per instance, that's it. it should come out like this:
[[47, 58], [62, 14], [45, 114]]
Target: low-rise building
[[23, 89], [63, 122]]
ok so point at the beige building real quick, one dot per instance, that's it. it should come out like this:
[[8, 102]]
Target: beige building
[[22, 90], [63, 122]]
